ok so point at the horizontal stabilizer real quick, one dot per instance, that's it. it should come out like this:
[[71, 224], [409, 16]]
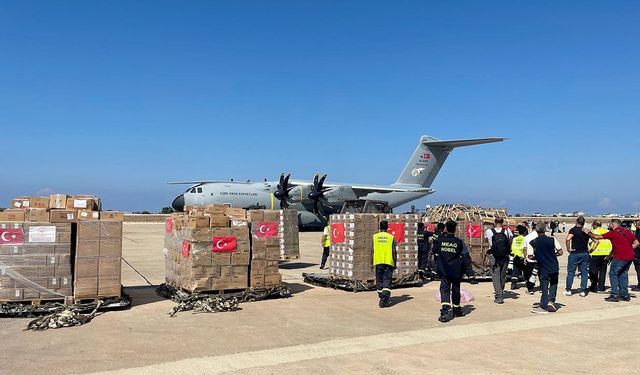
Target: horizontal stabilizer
[[431, 142]]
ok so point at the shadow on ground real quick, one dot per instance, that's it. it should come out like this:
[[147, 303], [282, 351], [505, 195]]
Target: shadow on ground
[[143, 295], [296, 265]]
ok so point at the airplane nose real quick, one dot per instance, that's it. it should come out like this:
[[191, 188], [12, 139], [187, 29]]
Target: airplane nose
[[178, 203]]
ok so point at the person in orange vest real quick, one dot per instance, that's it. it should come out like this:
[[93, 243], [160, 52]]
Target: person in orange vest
[[384, 261]]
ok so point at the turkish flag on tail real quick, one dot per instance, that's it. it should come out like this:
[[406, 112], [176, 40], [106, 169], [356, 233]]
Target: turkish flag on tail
[[11, 236], [474, 231], [266, 229], [397, 229], [337, 233], [226, 244]]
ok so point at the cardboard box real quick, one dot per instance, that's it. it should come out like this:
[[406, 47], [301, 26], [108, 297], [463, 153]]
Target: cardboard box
[[63, 216], [86, 267], [58, 201], [13, 215], [221, 259], [110, 229], [272, 280], [112, 216], [86, 287], [87, 247], [195, 222], [109, 286], [109, 266], [39, 202], [88, 230], [111, 247], [219, 220], [83, 202], [217, 209], [19, 203], [88, 215], [37, 215], [236, 213]]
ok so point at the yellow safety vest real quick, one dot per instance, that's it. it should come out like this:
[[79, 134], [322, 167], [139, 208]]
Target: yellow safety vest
[[517, 246], [327, 236], [604, 246], [383, 248]]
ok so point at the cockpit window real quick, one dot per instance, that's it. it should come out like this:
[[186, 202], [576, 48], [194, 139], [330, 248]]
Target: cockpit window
[[199, 190], [192, 190]]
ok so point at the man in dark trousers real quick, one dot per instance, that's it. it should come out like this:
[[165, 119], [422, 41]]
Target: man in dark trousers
[[424, 247], [623, 243], [439, 231], [546, 250], [578, 248], [451, 266], [384, 261], [499, 239], [326, 245]]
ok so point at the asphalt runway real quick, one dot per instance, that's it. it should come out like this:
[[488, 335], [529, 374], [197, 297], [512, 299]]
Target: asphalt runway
[[325, 331]]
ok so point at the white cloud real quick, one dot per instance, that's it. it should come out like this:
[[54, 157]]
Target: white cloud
[[44, 191], [605, 202]]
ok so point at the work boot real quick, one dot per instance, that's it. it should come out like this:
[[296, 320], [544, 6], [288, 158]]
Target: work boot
[[446, 315], [514, 284], [612, 299], [457, 311], [499, 300], [381, 303]]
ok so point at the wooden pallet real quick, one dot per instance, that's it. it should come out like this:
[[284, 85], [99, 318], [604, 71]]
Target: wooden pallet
[[288, 258], [40, 302]]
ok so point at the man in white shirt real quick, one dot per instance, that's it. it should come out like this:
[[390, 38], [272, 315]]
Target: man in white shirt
[[499, 239]]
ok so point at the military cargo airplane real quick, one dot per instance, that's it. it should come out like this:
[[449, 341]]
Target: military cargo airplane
[[316, 199]]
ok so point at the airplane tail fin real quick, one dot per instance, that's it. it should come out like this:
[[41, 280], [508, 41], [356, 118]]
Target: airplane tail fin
[[429, 156]]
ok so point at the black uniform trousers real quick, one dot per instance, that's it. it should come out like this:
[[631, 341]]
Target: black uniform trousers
[[384, 274], [325, 256], [598, 272], [449, 293], [423, 258]]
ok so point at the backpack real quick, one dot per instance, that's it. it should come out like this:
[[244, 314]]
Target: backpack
[[500, 246]]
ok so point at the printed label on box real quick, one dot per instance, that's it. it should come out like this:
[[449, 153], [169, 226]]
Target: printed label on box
[[42, 234], [80, 203]]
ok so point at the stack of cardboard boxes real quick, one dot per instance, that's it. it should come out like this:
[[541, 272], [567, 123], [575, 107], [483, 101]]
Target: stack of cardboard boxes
[[35, 261], [267, 233], [209, 249], [352, 244], [98, 259], [59, 246], [288, 234]]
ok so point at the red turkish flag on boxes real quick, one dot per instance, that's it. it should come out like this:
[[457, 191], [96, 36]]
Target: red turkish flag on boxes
[[474, 231], [266, 229], [337, 233], [168, 225], [11, 236], [224, 244], [185, 249], [397, 229]]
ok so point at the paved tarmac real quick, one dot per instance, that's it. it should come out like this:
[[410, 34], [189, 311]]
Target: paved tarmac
[[325, 331]]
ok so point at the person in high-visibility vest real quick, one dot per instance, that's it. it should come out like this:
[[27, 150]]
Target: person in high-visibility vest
[[599, 251], [518, 249], [326, 245], [384, 261]]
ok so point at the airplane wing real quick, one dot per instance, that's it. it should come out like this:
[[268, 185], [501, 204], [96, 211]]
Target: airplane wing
[[362, 190], [204, 182]]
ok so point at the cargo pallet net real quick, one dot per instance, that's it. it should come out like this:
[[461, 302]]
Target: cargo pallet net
[[353, 285], [213, 303], [55, 314]]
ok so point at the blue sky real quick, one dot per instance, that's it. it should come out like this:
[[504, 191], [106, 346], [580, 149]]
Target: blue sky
[[117, 98]]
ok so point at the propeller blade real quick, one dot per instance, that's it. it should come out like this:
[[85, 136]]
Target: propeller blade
[[321, 182]]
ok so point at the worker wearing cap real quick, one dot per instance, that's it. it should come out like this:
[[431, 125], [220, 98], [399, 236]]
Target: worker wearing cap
[[326, 245], [451, 267], [384, 261], [599, 252]]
